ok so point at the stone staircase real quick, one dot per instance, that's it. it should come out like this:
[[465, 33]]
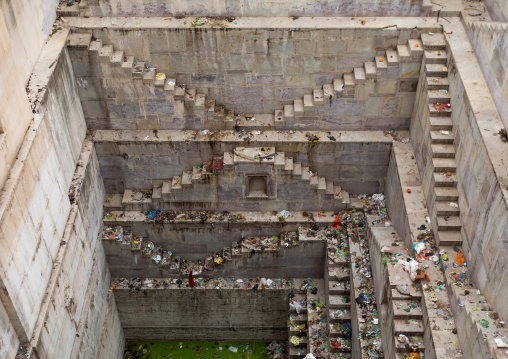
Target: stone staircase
[[406, 330], [217, 116], [441, 137], [118, 241], [482, 329], [339, 295], [297, 326], [186, 186]]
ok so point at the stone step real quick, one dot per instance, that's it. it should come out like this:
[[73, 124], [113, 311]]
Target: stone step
[[308, 104], [339, 273], [336, 191], [117, 58], [328, 91], [186, 178], [229, 159], [440, 123], [407, 309], [439, 70], [408, 326], [149, 75], [190, 95], [446, 194], [447, 208], [179, 92], [338, 87], [160, 79], [403, 52], [349, 81], [433, 41], [128, 65], [288, 164], [336, 287], [289, 111], [106, 53], [435, 57], [295, 352], [79, 40], [340, 316], [279, 160], [305, 173], [176, 184], [322, 184], [442, 137], [381, 63], [444, 164], [339, 301], [442, 150], [392, 58], [220, 112], [314, 180], [330, 188], [279, 119], [297, 169], [138, 70], [302, 318], [437, 83], [318, 97], [345, 196], [170, 85], [442, 179], [439, 110], [438, 96], [166, 189], [415, 47], [210, 105], [303, 341], [370, 70], [359, 74], [402, 346], [200, 101], [95, 46], [449, 238], [448, 223], [298, 108]]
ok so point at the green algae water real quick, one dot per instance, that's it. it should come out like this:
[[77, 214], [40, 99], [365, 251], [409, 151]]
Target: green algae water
[[195, 350]]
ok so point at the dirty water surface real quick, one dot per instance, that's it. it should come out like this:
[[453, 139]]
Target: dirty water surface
[[194, 350]]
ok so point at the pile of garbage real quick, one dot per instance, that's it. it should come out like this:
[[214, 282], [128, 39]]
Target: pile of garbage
[[202, 283], [369, 332], [159, 216]]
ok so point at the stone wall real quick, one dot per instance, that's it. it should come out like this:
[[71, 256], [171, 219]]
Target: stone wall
[[256, 8], [51, 203], [203, 314], [498, 9], [249, 71], [490, 43], [24, 27], [356, 160]]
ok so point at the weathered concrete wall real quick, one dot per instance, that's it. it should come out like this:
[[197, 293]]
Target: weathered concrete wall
[[357, 161], [204, 314], [24, 27], [490, 43], [249, 71], [80, 308], [256, 8], [498, 9], [43, 291]]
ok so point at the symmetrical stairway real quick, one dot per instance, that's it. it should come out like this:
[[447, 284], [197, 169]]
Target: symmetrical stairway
[[216, 115], [297, 325], [185, 187]]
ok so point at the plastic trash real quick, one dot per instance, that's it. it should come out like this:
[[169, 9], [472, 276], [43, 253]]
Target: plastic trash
[[233, 349]]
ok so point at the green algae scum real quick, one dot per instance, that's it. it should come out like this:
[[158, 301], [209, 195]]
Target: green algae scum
[[194, 350]]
